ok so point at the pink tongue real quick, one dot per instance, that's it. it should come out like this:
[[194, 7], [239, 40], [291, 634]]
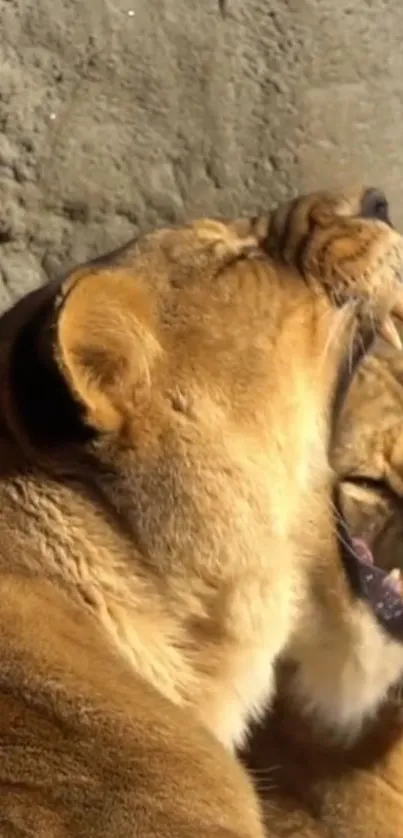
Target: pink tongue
[[362, 550]]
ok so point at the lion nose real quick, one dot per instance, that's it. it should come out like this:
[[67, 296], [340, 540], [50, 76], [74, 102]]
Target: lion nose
[[375, 205]]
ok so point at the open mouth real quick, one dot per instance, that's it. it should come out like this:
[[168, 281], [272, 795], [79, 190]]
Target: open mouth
[[381, 588]]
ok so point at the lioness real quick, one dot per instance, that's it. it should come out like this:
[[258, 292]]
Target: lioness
[[310, 785], [170, 520]]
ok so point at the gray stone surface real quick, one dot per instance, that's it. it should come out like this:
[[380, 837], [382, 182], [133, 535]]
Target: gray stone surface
[[116, 114]]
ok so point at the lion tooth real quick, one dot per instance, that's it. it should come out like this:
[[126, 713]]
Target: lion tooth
[[394, 578], [390, 334]]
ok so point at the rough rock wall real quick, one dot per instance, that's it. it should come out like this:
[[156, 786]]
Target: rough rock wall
[[116, 114]]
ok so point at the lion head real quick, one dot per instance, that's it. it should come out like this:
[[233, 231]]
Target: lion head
[[170, 411]]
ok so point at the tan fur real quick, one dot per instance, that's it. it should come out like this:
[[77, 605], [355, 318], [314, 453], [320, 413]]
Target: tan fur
[[153, 573]]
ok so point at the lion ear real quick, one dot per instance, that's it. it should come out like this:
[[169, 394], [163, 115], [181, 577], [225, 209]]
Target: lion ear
[[106, 344]]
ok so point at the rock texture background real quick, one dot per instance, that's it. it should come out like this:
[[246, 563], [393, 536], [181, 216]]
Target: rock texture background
[[116, 114]]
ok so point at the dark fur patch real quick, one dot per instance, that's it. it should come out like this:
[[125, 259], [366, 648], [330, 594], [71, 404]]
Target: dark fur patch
[[45, 405]]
